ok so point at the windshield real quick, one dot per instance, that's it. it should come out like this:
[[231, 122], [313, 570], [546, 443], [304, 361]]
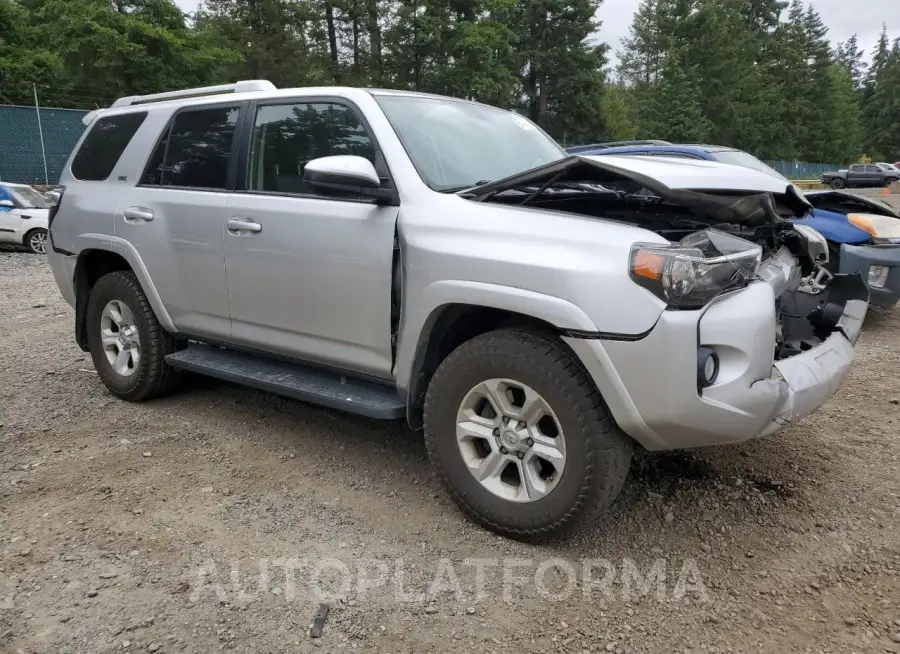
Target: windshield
[[456, 145], [886, 166], [747, 160], [28, 197]]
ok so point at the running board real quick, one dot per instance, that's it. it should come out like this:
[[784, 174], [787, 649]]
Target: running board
[[292, 380]]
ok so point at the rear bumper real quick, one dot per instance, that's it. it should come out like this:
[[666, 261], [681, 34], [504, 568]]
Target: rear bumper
[[651, 388], [859, 258], [63, 267]]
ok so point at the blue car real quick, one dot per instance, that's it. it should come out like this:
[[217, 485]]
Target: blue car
[[863, 233]]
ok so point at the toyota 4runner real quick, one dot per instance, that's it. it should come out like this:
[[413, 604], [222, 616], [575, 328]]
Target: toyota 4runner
[[400, 255]]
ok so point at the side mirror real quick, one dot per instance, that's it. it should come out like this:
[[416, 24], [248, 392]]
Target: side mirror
[[346, 174], [7, 204]]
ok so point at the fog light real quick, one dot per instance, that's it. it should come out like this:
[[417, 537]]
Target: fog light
[[707, 367], [878, 276]]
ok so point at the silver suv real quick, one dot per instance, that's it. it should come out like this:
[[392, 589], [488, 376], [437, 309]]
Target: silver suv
[[400, 255]]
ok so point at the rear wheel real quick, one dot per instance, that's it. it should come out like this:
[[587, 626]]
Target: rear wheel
[[126, 341], [36, 241], [520, 436], [837, 184]]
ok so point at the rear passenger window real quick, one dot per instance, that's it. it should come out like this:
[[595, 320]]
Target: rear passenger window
[[104, 144], [195, 152]]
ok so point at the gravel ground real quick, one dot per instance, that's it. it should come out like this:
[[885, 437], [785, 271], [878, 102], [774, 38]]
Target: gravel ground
[[219, 519]]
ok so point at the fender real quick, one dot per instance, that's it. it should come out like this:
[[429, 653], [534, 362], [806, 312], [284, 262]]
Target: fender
[[417, 322], [128, 252]]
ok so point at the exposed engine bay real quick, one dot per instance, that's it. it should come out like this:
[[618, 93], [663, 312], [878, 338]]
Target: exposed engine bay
[[810, 302]]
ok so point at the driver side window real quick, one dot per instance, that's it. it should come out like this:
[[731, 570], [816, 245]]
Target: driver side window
[[288, 136]]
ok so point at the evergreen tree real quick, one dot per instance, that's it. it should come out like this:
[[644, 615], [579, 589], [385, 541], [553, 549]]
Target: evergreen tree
[[849, 55], [615, 108], [674, 112]]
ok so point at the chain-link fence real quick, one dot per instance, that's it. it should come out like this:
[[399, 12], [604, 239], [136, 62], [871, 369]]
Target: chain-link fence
[[803, 170], [28, 158]]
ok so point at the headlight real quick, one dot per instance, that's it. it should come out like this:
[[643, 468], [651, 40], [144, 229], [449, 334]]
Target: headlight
[[882, 229], [690, 273]]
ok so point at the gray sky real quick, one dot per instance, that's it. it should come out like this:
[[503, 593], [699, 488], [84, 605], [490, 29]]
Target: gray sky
[[843, 18]]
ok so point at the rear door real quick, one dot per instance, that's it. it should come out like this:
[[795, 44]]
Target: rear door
[[312, 278], [174, 217]]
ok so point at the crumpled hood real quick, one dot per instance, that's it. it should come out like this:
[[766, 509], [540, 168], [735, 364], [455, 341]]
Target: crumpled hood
[[707, 187], [866, 205]]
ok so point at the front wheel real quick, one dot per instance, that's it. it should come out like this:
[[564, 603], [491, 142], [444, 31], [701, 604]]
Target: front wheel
[[126, 341], [837, 184], [36, 241], [520, 436]]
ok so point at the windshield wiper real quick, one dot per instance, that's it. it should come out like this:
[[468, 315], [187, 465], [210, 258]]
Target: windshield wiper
[[457, 189]]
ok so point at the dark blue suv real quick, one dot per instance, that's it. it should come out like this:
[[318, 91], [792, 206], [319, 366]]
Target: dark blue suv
[[684, 151]]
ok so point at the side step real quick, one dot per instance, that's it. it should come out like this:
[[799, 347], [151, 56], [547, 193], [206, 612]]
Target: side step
[[292, 380]]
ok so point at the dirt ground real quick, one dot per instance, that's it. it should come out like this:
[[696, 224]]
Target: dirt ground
[[219, 518]]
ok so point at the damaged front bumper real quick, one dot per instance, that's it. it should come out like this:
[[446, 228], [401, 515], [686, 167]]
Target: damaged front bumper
[[813, 375], [650, 385]]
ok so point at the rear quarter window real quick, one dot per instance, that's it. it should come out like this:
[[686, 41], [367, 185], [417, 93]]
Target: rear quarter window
[[104, 145]]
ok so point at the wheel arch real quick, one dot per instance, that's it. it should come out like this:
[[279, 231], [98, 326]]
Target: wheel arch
[[447, 328], [95, 262]]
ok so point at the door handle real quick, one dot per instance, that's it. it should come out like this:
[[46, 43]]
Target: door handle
[[137, 215], [243, 225]]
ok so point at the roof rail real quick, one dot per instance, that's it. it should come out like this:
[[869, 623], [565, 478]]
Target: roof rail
[[238, 87]]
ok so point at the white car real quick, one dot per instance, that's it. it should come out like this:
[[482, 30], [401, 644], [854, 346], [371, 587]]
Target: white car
[[24, 216]]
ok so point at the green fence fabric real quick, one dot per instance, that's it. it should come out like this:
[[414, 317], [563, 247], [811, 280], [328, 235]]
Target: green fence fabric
[[803, 170], [20, 142]]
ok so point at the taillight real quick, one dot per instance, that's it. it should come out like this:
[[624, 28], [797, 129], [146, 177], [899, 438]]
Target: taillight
[[51, 214]]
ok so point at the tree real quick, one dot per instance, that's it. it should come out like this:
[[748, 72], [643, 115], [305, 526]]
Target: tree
[[880, 56], [849, 55], [883, 111], [24, 61], [270, 37], [674, 112], [844, 127], [619, 124], [95, 51]]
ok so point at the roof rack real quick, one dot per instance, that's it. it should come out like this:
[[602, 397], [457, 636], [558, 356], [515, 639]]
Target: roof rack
[[238, 87], [613, 144]]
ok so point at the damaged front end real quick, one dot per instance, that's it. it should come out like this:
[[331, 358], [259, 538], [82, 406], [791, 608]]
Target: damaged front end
[[748, 295]]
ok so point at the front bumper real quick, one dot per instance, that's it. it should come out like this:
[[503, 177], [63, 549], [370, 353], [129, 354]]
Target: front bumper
[[651, 389], [859, 258]]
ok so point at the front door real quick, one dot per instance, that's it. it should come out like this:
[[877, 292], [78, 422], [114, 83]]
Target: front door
[[309, 276]]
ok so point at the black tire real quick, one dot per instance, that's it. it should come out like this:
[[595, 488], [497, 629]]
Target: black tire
[[837, 184], [889, 181], [34, 243], [152, 377], [598, 453]]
